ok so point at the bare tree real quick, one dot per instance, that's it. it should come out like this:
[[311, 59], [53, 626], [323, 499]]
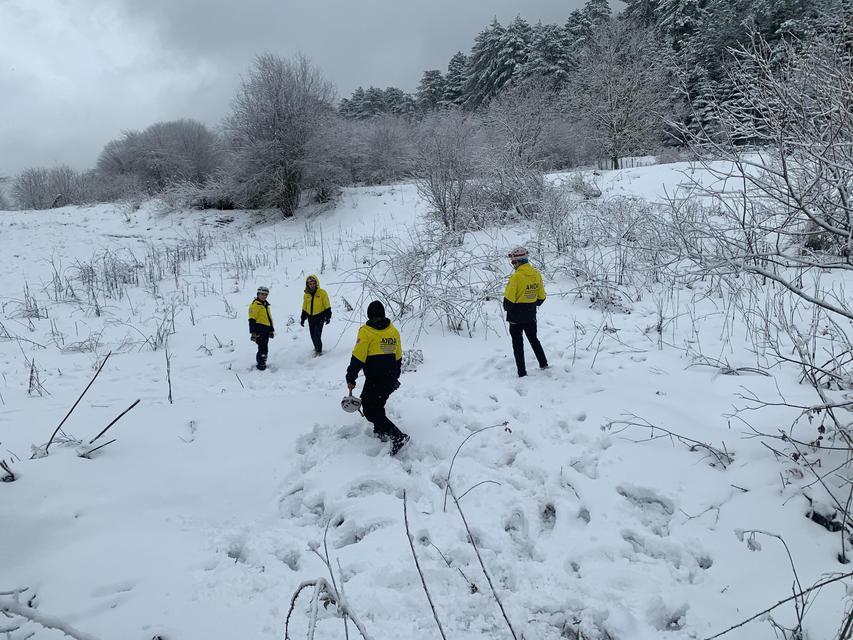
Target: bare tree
[[617, 89], [446, 162], [277, 111], [519, 121]]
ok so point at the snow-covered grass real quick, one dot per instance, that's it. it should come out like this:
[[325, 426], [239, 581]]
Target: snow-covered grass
[[200, 519]]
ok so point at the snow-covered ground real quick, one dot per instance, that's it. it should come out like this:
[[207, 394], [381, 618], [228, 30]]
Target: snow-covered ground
[[199, 521]]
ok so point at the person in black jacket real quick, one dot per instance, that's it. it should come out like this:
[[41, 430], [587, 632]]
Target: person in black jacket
[[379, 353]]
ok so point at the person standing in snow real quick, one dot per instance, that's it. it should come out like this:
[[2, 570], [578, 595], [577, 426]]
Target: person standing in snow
[[524, 292], [379, 352], [317, 310], [260, 325]]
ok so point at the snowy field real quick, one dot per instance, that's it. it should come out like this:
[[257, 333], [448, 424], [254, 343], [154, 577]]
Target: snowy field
[[199, 521]]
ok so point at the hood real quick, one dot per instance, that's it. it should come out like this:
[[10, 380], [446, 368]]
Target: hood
[[307, 278], [378, 323]]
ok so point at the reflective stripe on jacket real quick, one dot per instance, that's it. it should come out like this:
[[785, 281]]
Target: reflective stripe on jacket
[[378, 350]]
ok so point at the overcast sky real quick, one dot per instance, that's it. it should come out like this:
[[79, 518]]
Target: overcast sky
[[75, 73]]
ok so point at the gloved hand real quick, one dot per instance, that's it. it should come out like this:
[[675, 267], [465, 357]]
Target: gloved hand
[[328, 320], [272, 335], [396, 384], [253, 337], [302, 323], [350, 386]]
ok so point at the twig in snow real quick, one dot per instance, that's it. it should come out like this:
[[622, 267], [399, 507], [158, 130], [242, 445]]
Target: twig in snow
[[722, 456], [418, 567], [119, 417], [458, 449], [483, 565], [324, 589], [97, 373], [781, 602], [48, 622]]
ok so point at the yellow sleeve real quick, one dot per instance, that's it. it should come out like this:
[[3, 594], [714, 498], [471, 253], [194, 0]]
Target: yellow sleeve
[[541, 288], [253, 312], [326, 303], [359, 352], [399, 352]]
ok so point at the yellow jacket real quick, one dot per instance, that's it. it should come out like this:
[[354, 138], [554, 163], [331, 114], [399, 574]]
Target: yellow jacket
[[524, 292], [378, 350], [259, 314], [316, 304]]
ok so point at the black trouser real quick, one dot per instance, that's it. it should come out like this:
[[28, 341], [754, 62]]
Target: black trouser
[[263, 341], [516, 331], [374, 395], [315, 328]]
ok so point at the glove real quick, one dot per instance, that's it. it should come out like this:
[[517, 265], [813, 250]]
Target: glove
[[350, 386], [272, 335], [253, 337], [396, 384], [302, 323], [328, 320]]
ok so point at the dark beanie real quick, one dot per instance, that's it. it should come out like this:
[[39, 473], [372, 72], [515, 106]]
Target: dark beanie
[[375, 310]]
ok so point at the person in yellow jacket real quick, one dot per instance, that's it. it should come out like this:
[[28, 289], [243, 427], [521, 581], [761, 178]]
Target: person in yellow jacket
[[260, 325], [523, 294], [317, 310], [379, 353]]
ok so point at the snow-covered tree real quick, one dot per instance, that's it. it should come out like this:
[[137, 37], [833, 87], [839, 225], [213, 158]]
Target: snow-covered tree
[[398, 102], [430, 91], [278, 109], [641, 13], [163, 154], [550, 54], [454, 80], [498, 54], [617, 90], [374, 102], [483, 62]]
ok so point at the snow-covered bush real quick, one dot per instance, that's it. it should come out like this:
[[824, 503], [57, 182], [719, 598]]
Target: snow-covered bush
[[435, 277], [448, 160]]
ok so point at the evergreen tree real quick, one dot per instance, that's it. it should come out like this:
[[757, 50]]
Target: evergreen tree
[[430, 91], [355, 105], [398, 102], [640, 13], [596, 12], [680, 20], [374, 103], [513, 54], [550, 54], [482, 63], [498, 54], [454, 80]]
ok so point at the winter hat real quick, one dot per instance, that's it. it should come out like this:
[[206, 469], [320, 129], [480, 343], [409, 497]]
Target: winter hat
[[263, 290], [375, 310], [519, 253]]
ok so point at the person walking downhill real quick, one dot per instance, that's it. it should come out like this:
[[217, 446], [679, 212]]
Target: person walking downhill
[[379, 352], [524, 292], [317, 310], [260, 325]]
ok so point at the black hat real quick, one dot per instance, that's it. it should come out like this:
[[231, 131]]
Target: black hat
[[375, 310]]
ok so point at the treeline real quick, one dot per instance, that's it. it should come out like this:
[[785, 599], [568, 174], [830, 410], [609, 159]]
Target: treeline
[[601, 86]]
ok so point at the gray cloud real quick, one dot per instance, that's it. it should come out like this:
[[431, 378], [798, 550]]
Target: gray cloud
[[75, 73]]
